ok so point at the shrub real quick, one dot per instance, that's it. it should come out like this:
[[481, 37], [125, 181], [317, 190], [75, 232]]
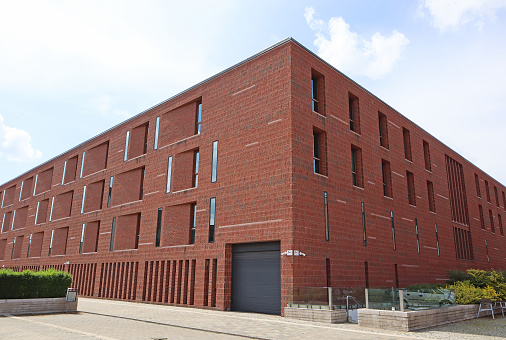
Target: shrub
[[466, 293], [27, 284], [457, 275]]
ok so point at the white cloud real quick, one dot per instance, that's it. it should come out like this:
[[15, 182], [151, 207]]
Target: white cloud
[[454, 14], [15, 144], [352, 53], [103, 104]]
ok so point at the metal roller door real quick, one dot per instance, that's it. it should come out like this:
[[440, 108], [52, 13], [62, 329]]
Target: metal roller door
[[256, 278]]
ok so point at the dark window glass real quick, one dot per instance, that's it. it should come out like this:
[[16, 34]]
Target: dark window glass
[[198, 118], [363, 224], [212, 213], [193, 223], [326, 211], [113, 229], [158, 227], [316, 152], [314, 91]]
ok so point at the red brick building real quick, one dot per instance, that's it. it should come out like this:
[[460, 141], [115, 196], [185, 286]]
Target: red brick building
[[277, 173]]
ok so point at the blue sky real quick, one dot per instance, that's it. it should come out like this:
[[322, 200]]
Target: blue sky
[[72, 69]]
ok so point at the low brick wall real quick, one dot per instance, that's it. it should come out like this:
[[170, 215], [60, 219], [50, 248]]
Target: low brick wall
[[414, 320], [318, 315], [36, 306]]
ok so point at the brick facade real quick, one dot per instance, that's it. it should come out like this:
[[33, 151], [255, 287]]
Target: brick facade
[[265, 115]]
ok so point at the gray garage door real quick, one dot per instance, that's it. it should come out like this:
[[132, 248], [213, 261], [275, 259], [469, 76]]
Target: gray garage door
[[256, 278]]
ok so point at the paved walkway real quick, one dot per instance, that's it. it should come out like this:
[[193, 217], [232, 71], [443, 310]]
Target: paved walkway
[[103, 319]]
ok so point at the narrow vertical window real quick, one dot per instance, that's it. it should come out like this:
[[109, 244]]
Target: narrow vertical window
[[37, 213], [326, 212], [214, 165], [491, 216], [82, 165], [34, 188], [386, 174], [195, 169], [356, 167], [393, 228], [482, 217], [437, 239], [314, 92], [157, 132], [366, 269], [113, 229], [84, 198], [354, 113], [169, 174], [411, 188], [426, 156], [193, 223], [3, 221], [487, 189], [486, 247], [363, 224], [127, 140], [383, 130], [14, 246], [23, 182], [495, 192], [477, 181], [198, 118], [417, 236], [110, 192], [82, 239], [396, 276], [212, 214], [51, 243], [316, 152], [500, 224], [51, 213], [328, 273], [13, 218], [158, 227], [29, 245], [64, 170], [430, 194], [407, 144], [3, 197]]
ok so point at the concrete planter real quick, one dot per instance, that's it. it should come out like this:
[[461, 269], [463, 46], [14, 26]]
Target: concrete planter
[[318, 315], [36, 306], [414, 320]]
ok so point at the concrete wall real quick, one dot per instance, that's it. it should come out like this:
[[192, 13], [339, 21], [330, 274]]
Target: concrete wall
[[36, 306], [318, 315]]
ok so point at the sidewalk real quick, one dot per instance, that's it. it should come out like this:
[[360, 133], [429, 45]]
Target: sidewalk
[[105, 319]]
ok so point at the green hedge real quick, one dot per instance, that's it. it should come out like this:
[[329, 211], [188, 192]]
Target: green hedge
[[475, 284], [27, 284]]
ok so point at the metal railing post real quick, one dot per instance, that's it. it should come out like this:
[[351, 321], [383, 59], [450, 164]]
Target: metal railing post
[[330, 297], [367, 298]]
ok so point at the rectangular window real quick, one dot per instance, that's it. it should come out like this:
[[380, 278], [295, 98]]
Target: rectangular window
[[214, 165], [356, 167], [417, 236], [411, 188], [82, 166], [84, 197], [314, 91], [158, 227], [319, 152], [383, 130], [488, 192], [51, 243], [477, 181], [426, 156], [496, 196], [457, 191], [326, 212], [193, 223], [195, 169], [157, 132], [169, 174], [198, 118], [109, 195], [64, 170], [34, 188], [386, 175], [23, 182], [407, 144], [363, 224], [393, 228], [29, 245], [82, 240], [212, 214], [430, 194], [113, 229], [366, 267], [14, 246], [491, 216], [3, 221], [127, 141], [354, 113], [482, 217], [51, 213], [13, 219], [437, 239], [318, 92], [501, 230], [486, 247]]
